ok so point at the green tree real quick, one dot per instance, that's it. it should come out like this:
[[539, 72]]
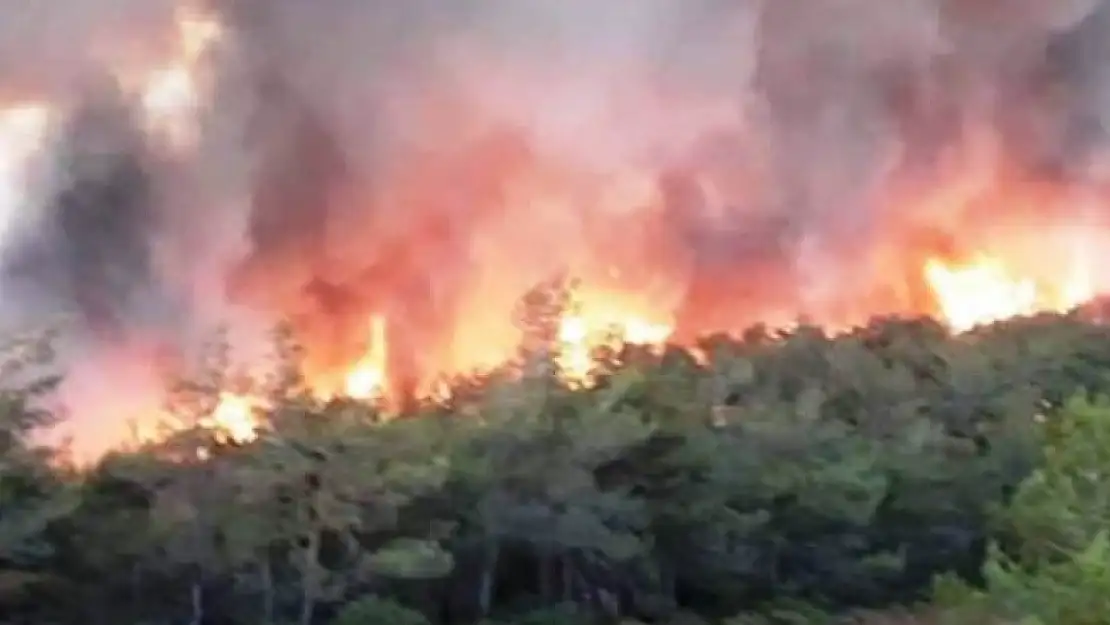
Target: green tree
[[35, 488], [376, 611], [334, 474], [1054, 564]]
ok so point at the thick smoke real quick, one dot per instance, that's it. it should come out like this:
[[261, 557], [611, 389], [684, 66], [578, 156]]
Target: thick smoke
[[730, 161]]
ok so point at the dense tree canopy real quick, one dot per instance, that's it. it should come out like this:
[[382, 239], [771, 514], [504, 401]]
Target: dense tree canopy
[[778, 477]]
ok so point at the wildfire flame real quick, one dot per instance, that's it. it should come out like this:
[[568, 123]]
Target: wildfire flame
[[979, 292], [581, 334], [234, 419], [366, 379], [972, 293], [965, 291], [983, 291]]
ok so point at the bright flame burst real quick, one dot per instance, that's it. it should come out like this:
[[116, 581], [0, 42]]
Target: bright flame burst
[[580, 335], [983, 291], [366, 380], [234, 420]]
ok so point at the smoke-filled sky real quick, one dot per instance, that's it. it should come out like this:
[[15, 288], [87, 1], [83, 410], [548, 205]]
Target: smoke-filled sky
[[716, 161]]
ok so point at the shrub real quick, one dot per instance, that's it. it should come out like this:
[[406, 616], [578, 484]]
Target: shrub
[[376, 611]]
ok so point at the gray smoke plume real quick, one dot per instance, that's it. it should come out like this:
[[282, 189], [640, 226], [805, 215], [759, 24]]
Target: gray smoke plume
[[735, 160]]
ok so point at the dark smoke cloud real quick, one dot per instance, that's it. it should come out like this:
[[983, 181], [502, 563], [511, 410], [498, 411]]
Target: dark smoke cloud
[[795, 113], [104, 218], [362, 154]]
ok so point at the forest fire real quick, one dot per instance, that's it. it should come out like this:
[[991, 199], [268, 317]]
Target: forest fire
[[366, 379], [982, 292], [665, 199], [233, 420]]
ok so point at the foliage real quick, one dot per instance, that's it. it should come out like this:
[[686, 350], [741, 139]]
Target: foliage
[[377, 611], [1056, 568], [563, 614], [33, 494], [779, 477]]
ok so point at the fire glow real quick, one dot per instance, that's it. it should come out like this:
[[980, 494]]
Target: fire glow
[[641, 292], [982, 291]]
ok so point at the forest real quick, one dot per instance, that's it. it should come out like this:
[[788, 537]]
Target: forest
[[893, 474]]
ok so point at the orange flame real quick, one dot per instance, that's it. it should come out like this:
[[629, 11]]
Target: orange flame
[[234, 419], [579, 338], [366, 380], [983, 288], [983, 291]]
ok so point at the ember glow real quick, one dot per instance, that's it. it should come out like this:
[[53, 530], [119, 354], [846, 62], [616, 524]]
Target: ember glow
[[694, 169]]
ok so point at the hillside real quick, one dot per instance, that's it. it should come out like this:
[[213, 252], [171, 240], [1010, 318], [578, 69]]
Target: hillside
[[786, 477]]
